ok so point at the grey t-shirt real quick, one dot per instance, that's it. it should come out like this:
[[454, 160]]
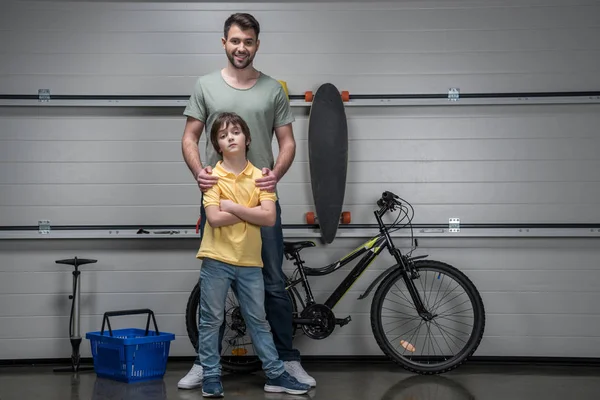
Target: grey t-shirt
[[264, 107]]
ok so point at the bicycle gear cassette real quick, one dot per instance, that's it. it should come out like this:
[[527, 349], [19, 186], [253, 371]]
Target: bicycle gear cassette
[[323, 319]]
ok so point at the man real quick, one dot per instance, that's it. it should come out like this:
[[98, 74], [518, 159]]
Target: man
[[262, 103]]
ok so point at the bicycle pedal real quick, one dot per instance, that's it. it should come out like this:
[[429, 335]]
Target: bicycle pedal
[[343, 321]]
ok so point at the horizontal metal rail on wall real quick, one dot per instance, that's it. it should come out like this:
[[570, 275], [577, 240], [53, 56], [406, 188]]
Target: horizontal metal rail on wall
[[305, 231], [453, 97]]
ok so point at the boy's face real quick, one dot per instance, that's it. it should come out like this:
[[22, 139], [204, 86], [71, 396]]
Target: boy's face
[[231, 139]]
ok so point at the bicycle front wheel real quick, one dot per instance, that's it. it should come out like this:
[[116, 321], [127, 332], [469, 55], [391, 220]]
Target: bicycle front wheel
[[434, 343]]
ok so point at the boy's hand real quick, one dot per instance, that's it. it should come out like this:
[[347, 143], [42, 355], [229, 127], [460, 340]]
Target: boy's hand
[[268, 182], [228, 206], [205, 179]]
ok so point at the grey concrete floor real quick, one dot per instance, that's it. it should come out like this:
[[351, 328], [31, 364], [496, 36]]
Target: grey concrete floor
[[367, 380]]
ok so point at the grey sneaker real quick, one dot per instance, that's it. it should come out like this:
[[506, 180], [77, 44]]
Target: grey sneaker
[[212, 387], [286, 383]]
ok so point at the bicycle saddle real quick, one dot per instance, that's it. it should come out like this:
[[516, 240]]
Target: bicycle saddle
[[76, 261], [290, 247]]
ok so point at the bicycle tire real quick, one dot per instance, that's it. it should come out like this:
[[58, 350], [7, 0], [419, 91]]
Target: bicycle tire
[[191, 324], [476, 332]]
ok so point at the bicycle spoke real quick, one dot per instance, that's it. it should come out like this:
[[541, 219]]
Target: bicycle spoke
[[436, 306], [428, 334], [450, 319], [438, 292], [454, 329], [410, 319], [410, 303], [445, 314], [442, 334], [399, 312], [403, 334], [434, 342], [439, 347], [450, 334]]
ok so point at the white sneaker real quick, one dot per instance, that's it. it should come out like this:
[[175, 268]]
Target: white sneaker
[[193, 379], [295, 369]]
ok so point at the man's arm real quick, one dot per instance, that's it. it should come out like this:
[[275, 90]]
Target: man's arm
[[191, 155], [217, 218], [189, 144], [287, 150], [287, 153], [263, 215]]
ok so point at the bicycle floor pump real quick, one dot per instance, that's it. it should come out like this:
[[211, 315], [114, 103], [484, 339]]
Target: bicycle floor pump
[[74, 322]]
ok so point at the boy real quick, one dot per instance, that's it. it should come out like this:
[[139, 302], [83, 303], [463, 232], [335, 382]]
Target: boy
[[231, 252]]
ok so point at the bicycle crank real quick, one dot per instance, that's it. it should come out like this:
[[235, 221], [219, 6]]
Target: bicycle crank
[[322, 321]]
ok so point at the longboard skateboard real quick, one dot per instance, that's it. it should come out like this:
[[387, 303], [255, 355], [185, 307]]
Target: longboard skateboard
[[328, 158]]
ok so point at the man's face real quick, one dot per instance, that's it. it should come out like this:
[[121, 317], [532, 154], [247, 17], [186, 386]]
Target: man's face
[[240, 46]]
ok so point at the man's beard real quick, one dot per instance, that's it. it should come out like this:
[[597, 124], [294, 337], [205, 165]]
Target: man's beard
[[247, 61]]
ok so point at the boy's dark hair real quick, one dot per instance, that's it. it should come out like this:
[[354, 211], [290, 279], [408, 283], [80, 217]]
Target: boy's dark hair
[[228, 118], [244, 21]]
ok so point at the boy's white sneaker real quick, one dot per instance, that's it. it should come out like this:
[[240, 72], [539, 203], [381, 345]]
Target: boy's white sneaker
[[193, 379], [295, 369]]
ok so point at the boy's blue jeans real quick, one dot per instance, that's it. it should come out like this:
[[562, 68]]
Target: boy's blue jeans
[[278, 306], [216, 277]]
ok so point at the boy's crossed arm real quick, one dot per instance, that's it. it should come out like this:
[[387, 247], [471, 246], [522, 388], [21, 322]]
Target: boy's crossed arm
[[217, 218], [261, 215], [214, 216], [229, 213], [226, 212]]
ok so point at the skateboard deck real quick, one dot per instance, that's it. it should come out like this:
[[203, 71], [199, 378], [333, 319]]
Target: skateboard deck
[[328, 158]]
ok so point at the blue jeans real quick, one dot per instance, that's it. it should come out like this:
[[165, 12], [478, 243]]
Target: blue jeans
[[278, 306], [216, 277]]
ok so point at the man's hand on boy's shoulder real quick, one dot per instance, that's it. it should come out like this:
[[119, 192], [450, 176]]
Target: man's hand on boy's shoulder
[[205, 178], [268, 182]]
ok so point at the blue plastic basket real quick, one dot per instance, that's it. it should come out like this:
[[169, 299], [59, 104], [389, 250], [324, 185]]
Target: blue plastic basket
[[130, 355]]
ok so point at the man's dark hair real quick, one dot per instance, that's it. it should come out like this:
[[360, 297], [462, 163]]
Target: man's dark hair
[[228, 118], [244, 21]]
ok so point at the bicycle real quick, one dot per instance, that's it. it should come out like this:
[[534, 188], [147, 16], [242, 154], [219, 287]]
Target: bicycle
[[318, 321]]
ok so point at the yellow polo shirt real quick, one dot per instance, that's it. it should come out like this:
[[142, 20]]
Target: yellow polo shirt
[[238, 244]]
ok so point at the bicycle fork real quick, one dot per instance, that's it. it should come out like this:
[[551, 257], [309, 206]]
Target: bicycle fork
[[416, 298], [409, 274]]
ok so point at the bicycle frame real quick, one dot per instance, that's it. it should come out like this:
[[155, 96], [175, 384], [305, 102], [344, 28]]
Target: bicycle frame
[[373, 248]]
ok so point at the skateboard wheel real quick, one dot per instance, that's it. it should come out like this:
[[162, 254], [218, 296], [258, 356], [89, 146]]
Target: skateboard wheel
[[346, 217], [310, 218], [308, 96], [345, 96]]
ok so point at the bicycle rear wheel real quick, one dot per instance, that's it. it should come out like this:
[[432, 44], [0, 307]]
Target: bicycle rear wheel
[[428, 346], [237, 352]]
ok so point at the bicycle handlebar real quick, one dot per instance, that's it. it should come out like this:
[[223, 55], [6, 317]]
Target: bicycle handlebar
[[388, 199]]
